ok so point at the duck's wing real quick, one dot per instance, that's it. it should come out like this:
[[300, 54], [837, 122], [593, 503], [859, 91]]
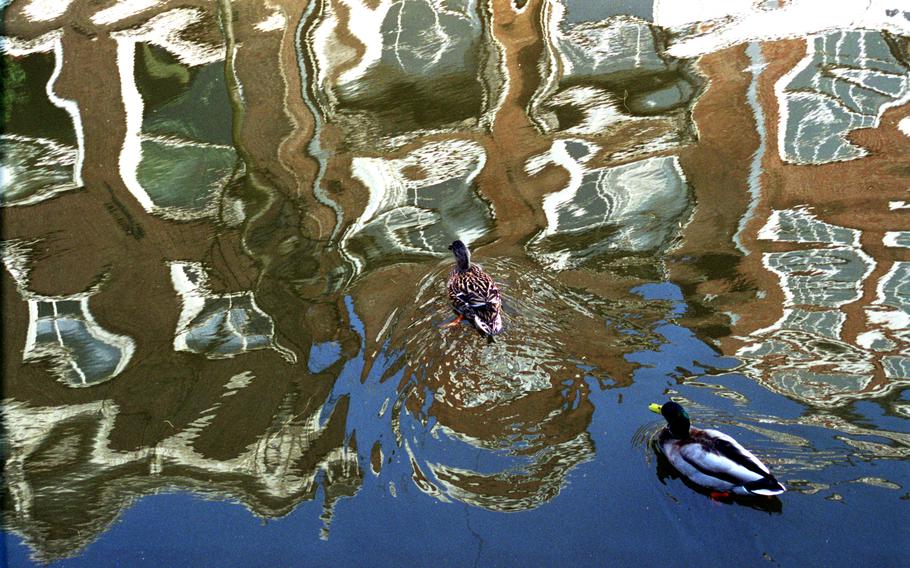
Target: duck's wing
[[717, 455], [473, 289], [727, 445]]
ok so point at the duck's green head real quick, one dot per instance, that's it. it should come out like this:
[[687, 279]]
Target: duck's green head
[[676, 415]]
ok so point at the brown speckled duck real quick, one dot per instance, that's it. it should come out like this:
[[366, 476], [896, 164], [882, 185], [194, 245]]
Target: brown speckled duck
[[474, 295]]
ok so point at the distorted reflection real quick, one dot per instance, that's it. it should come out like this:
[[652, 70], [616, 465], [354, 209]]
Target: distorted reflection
[[812, 362], [407, 217], [270, 476], [39, 158], [634, 208], [387, 71], [219, 325], [845, 82], [177, 152], [63, 332], [608, 78], [34, 168], [225, 231], [84, 354]]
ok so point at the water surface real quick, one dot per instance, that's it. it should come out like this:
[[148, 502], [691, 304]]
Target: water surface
[[224, 244]]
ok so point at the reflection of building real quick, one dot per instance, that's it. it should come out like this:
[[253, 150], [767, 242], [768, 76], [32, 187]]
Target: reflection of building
[[846, 81], [168, 58], [67, 483], [238, 185], [176, 155], [384, 72], [80, 352], [633, 208], [609, 95], [39, 159], [145, 280], [63, 332], [34, 168], [707, 27], [608, 79], [219, 325], [406, 216], [815, 308]]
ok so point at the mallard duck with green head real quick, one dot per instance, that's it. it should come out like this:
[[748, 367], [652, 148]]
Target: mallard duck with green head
[[474, 295], [711, 458]]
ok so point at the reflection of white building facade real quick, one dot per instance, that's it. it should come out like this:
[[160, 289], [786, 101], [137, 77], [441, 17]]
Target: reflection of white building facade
[[609, 94], [798, 305], [812, 361], [385, 74], [70, 503]]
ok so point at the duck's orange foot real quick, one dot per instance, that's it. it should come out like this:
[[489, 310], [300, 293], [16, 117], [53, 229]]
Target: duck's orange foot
[[454, 322], [720, 495]]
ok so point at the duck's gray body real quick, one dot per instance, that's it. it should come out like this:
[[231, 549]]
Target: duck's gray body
[[716, 461], [710, 458]]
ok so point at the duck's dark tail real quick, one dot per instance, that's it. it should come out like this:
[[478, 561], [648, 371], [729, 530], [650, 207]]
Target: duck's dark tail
[[766, 486]]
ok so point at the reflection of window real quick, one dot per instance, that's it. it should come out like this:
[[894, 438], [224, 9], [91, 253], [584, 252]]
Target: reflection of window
[[82, 352], [177, 153], [186, 151], [635, 207], [422, 216], [61, 330], [219, 325], [433, 51], [34, 169], [39, 158], [601, 71], [846, 81]]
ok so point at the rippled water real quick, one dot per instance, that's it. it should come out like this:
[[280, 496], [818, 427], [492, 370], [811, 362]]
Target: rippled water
[[224, 233]]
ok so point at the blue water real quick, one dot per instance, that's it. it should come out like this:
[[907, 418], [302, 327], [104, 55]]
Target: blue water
[[613, 510]]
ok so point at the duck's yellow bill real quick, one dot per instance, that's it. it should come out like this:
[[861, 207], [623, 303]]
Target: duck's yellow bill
[[654, 407]]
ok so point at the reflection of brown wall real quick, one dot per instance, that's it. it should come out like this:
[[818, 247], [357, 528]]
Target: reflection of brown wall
[[513, 137], [852, 194], [101, 234], [717, 168]]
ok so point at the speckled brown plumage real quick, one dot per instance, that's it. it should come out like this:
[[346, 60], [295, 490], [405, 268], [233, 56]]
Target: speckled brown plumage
[[473, 293]]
